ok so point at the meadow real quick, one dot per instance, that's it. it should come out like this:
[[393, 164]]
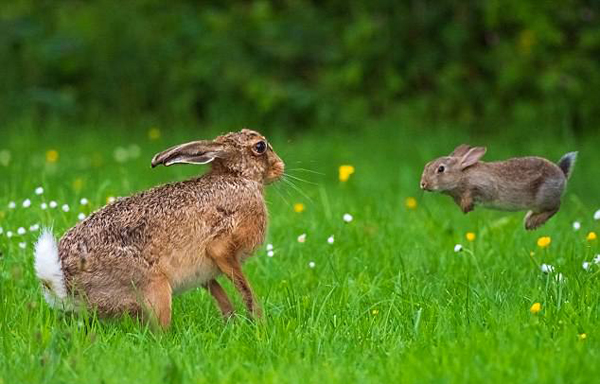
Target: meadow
[[384, 297]]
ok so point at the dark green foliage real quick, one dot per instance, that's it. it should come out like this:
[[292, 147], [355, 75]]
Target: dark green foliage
[[301, 62]]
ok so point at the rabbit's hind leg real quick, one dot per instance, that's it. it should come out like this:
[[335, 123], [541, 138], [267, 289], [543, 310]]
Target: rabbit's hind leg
[[536, 220], [546, 202]]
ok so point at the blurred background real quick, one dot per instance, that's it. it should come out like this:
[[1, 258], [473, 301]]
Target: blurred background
[[355, 96], [300, 64]]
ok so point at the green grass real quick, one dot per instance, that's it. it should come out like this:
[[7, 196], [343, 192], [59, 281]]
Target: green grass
[[389, 301]]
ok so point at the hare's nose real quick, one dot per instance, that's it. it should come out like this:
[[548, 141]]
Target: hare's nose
[[423, 185]]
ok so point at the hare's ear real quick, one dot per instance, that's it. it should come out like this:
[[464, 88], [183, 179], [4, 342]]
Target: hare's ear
[[472, 156], [460, 151], [195, 152]]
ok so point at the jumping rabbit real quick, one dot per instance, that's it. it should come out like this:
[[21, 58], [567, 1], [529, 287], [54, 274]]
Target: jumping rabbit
[[132, 255], [525, 183]]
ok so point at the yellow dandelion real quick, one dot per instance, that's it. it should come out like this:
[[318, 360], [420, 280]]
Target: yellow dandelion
[[154, 133], [544, 241], [375, 312], [470, 236], [582, 336], [52, 156], [78, 184], [345, 172], [592, 236], [410, 203], [299, 208], [535, 308]]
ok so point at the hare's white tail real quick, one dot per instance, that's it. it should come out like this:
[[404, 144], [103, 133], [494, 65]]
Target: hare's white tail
[[48, 269]]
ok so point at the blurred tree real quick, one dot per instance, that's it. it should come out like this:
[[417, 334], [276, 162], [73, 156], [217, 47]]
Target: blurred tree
[[299, 62]]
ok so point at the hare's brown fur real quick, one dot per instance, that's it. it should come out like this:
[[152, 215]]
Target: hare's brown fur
[[131, 255], [526, 183]]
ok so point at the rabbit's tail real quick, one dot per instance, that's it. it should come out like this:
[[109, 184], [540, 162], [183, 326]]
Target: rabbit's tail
[[567, 162], [49, 270]]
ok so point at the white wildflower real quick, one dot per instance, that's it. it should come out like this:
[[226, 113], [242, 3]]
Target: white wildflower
[[21, 231], [302, 238], [271, 253], [586, 265], [66, 208], [547, 268], [44, 206], [1, 230], [348, 217], [34, 227], [458, 248], [4, 157], [9, 234], [597, 215], [22, 245], [39, 190], [121, 155], [269, 247], [577, 225], [12, 205], [81, 216], [311, 264], [134, 151], [26, 203], [331, 240], [597, 259], [84, 201], [53, 204]]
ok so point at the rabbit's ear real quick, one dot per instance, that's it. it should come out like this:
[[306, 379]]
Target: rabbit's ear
[[460, 151], [472, 156], [195, 152]]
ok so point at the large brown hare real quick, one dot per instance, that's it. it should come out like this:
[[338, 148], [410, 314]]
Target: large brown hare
[[132, 255], [524, 183]]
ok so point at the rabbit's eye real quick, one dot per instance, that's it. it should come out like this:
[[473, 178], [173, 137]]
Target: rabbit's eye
[[441, 169], [260, 147]]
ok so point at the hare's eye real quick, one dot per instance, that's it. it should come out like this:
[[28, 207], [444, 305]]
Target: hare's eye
[[441, 169], [260, 147]]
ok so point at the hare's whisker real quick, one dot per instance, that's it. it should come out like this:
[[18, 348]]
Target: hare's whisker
[[300, 179], [283, 187], [281, 194], [307, 170], [297, 189]]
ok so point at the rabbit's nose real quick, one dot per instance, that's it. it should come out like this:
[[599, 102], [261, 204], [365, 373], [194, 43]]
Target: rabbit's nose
[[423, 185]]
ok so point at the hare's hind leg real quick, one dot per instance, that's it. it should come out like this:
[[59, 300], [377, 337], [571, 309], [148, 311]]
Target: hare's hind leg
[[157, 300], [536, 220], [221, 298]]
